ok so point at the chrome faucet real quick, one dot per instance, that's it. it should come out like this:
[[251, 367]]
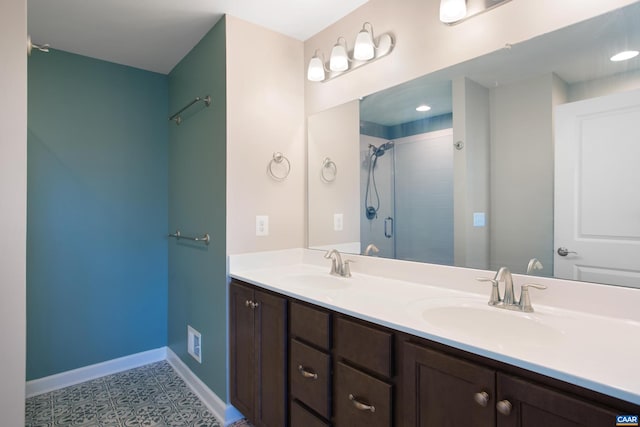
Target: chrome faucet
[[534, 264], [371, 248], [504, 274], [508, 301], [338, 267]]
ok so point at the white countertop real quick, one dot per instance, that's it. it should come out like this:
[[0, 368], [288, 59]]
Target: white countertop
[[574, 335]]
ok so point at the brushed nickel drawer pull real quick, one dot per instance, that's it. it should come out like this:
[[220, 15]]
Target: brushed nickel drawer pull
[[307, 374], [361, 406]]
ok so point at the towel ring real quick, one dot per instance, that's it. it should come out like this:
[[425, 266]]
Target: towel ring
[[328, 171], [279, 159]]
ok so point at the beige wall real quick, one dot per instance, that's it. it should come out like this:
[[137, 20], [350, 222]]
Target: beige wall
[[13, 193], [522, 173], [471, 172], [334, 134], [265, 114], [424, 44]]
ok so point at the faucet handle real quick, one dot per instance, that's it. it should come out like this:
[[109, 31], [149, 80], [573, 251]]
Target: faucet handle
[[525, 299], [346, 270], [495, 292]]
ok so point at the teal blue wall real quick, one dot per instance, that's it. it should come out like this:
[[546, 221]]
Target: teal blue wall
[[97, 212], [197, 205]]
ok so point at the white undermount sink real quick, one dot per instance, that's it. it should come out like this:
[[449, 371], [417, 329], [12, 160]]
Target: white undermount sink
[[473, 318]]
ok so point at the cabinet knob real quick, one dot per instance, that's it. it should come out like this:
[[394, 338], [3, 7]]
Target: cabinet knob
[[251, 304], [360, 405], [481, 398], [504, 407], [306, 373]]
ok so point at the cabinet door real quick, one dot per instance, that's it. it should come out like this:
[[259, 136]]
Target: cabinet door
[[271, 352], [441, 390], [241, 354], [533, 405]]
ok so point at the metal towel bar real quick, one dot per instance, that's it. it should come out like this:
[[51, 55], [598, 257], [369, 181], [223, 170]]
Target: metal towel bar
[[179, 236], [178, 118]]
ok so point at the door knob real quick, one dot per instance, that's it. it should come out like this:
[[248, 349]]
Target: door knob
[[564, 251]]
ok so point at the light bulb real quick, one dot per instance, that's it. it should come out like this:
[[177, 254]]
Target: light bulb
[[315, 71], [339, 60], [623, 56], [364, 48], [452, 10]]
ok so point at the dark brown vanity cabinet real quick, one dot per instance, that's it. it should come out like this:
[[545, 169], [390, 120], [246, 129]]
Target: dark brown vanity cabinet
[[363, 375], [340, 370], [258, 355], [443, 390], [522, 403], [310, 368], [319, 368]]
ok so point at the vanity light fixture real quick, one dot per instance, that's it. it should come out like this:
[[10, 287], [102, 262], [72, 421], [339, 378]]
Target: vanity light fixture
[[316, 70], [339, 60], [624, 56], [366, 49], [452, 10], [455, 11], [423, 108]]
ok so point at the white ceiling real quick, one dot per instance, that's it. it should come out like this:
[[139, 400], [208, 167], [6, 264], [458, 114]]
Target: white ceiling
[[156, 34]]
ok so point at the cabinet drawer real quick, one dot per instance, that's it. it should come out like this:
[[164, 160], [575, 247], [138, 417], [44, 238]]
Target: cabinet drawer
[[311, 325], [361, 400], [365, 346], [310, 377], [300, 417]]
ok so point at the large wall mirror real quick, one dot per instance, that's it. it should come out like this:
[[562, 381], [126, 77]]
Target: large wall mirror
[[530, 152]]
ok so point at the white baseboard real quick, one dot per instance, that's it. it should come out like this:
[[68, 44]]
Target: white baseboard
[[91, 372], [226, 413]]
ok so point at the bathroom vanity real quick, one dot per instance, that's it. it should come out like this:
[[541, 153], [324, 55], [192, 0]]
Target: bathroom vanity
[[305, 353]]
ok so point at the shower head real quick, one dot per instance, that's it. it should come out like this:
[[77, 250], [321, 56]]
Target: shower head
[[379, 151]]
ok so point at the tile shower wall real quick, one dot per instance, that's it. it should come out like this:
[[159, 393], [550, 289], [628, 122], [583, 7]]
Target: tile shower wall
[[97, 212]]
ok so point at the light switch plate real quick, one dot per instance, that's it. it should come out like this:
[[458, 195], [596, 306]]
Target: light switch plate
[[479, 219]]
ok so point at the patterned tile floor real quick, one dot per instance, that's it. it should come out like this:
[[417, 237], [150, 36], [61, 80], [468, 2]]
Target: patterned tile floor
[[152, 395]]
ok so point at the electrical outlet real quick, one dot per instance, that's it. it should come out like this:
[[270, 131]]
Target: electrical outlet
[[194, 343], [262, 225], [479, 219], [338, 222]]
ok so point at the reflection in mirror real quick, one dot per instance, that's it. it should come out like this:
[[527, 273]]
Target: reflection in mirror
[[472, 180]]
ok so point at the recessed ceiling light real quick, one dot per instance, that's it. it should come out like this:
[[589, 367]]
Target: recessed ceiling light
[[423, 108], [623, 56]]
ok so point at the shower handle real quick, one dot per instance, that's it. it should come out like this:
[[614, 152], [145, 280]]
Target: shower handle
[[388, 225]]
